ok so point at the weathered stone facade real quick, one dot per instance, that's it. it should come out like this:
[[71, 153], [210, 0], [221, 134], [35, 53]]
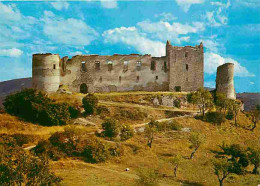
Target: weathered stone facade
[[180, 70], [225, 80]]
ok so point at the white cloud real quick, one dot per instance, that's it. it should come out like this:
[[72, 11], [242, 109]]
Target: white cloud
[[108, 3], [213, 60], [9, 13], [165, 16], [252, 83], [59, 5], [217, 18], [130, 36], [164, 30], [185, 4], [68, 31], [13, 52], [211, 45]]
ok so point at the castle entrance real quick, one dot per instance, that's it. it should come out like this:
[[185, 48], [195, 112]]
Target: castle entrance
[[83, 88]]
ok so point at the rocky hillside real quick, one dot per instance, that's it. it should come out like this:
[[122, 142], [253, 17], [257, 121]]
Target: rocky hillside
[[8, 87], [249, 99]]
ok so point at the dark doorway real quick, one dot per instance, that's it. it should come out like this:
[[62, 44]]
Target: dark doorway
[[178, 88], [83, 88]]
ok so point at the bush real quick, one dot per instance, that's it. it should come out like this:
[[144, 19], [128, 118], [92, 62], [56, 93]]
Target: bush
[[23, 168], [16, 139], [230, 115], [90, 103], [103, 111], [111, 128], [126, 132], [74, 111], [169, 125], [35, 106], [133, 114], [46, 148], [177, 103], [95, 151], [215, 117], [148, 177]]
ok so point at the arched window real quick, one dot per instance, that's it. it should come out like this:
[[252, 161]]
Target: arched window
[[137, 79], [110, 65], [156, 77], [100, 79], [83, 66], [125, 66], [153, 65], [97, 65], [83, 88], [186, 54], [165, 66], [138, 65], [120, 79], [187, 67]]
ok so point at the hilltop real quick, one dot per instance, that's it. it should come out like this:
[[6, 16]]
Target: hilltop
[[136, 109]]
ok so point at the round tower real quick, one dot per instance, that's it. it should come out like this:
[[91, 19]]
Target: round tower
[[46, 72], [225, 80]]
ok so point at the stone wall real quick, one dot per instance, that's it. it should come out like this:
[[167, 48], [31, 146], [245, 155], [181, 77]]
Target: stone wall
[[122, 76]]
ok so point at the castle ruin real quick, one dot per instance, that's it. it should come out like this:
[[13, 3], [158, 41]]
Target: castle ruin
[[180, 70], [225, 80]]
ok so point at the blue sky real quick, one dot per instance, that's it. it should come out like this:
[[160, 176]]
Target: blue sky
[[229, 30]]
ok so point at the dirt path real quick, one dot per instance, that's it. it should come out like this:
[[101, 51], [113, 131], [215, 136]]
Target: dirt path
[[133, 105]]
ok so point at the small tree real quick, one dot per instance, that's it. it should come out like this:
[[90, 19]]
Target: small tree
[[150, 129], [222, 102], [234, 107], [203, 98], [90, 103], [254, 116], [222, 168], [111, 128], [254, 157], [215, 117], [196, 139], [126, 132], [176, 161]]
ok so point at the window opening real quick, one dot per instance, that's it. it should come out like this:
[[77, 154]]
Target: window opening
[[153, 65], [97, 65], [83, 66], [110, 65], [138, 65]]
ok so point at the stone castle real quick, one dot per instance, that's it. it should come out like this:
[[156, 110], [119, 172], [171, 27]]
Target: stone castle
[[180, 70]]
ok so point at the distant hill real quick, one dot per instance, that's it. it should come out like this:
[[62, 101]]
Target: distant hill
[[11, 86], [249, 99]]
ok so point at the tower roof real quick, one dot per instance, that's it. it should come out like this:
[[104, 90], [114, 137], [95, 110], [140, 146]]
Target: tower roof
[[168, 42]]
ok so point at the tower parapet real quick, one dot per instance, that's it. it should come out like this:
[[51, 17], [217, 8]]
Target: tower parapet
[[225, 80], [46, 72]]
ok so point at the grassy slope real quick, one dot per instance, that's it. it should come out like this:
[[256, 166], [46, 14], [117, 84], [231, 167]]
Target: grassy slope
[[137, 155]]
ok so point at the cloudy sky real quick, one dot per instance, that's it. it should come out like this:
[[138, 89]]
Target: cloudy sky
[[229, 29]]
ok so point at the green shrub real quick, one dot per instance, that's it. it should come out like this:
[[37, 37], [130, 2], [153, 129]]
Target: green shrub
[[35, 106], [230, 115], [133, 114], [90, 103], [103, 111], [95, 151], [126, 132], [74, 111], [215, 117], [111, 128], [169, 125], [44, 147], [16, 139], [23, 168], [177, 103]]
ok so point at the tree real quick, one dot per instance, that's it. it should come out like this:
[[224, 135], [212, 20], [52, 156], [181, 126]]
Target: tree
[[254, 116], [203, 98], [222, 102], [90, 103], [196, 139], [254, 157], [215, 117], [111, 128], [222, 168], [150, 129], [176, 161], [234, 107], [236, 155]]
